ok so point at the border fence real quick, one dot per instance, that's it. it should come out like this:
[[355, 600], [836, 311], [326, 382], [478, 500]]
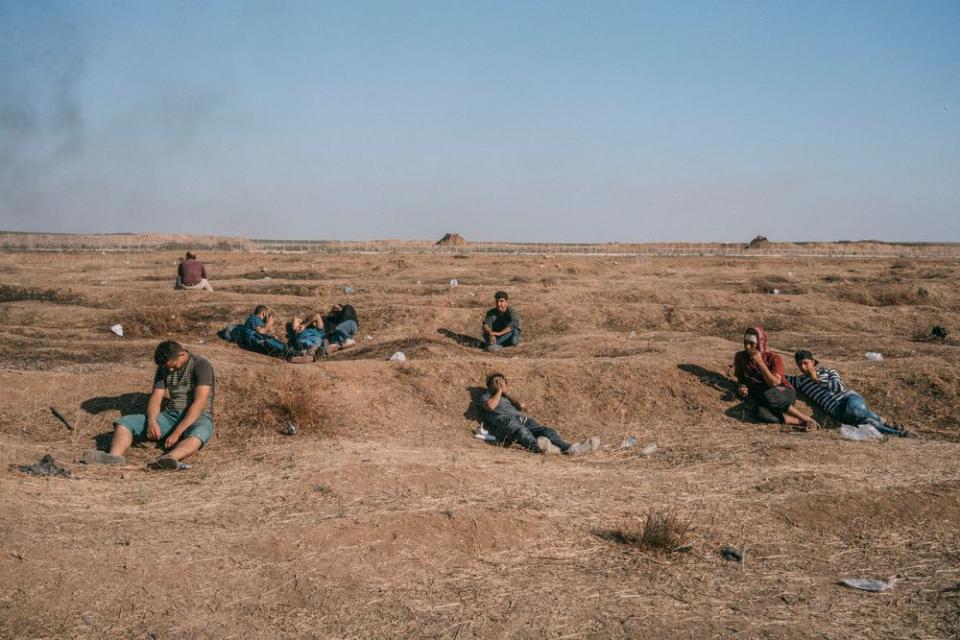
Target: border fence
[[30, 242]]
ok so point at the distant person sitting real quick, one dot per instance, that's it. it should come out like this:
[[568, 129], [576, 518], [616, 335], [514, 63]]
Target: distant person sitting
[[183, 426], [501, 325], [503, 417], [340, 325], [762, 380], [257, 334], [192, 274], [825, 389]]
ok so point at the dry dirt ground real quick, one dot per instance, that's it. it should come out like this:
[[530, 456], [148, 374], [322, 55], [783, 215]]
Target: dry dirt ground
[[384, 518]]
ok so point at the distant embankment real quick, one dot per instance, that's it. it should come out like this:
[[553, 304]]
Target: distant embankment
[[10, 241]]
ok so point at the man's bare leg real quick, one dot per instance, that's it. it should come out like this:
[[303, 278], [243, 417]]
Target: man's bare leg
[[798, 417], [184, 449], [122, 439]]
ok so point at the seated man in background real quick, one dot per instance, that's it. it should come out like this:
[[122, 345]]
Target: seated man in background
[[501, 325], [762, 379], [183, 426], [504, 418], [825, 389], [257, 334], [192, 274]]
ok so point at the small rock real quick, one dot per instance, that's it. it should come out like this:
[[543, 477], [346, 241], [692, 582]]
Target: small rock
[[732, 554]]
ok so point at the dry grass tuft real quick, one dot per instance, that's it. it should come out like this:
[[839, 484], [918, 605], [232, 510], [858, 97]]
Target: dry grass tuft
[[12, 293], [660, 532], [253, 403]]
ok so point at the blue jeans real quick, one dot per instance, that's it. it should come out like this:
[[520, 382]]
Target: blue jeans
[[309, 337], [344, 331], [267, 345], [524, 431], [854, 410], [506, 340]]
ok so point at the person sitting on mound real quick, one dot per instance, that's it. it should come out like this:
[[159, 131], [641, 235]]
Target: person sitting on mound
[[762, 380], [183, 426], [192, 274], [501, 325], [257, 333], [825, 389], [503, 417]]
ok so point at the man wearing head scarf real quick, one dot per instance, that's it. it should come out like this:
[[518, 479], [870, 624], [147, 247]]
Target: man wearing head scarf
[[762, 380]]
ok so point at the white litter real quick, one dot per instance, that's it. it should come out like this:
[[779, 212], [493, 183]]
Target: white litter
[[117, 329], [864, 584], [776, 292], [873, 356], [860, 433], [454, 282], [399, 356], [628, 442], [368, 337], [632, 334], [482, 434], [649, 449], [290, 429], [348, 289]]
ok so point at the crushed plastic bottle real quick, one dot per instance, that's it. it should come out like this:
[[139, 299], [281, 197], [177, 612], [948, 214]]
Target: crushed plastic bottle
[[454, 282], [650, 449], [117, 329], [873, 356], [861, 433], [290, 429], [399, 356]]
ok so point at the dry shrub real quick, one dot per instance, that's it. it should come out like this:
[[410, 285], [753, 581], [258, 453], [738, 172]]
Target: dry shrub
[[12, 293], [883, 296], [769, 283], [660, 532], [155, 322], [258, 402]]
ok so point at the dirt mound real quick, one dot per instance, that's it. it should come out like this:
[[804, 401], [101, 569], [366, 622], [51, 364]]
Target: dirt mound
[[760, 242], [451, 240]]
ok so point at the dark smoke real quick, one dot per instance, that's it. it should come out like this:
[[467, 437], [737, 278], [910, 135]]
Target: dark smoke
[[42, 65]]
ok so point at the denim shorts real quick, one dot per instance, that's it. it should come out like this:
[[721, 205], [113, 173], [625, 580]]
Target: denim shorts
[[136, 424]]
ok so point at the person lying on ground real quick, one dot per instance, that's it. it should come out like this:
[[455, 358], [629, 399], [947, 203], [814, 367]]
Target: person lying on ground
[[761, 379], [824, 387], [192, 274], [503, 417], [501, 325], [340, 325], [183, 426], [257, 334]]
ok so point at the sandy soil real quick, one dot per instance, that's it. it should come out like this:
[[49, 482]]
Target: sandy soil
[[385, 518]]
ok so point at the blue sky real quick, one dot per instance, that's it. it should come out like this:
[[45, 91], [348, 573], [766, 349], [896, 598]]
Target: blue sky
[[503, 121]]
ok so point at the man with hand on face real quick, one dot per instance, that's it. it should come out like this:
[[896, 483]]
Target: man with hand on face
[[825, 389], [504, 418], [257, 334], [501, 325], [762, 380], [183, 426]]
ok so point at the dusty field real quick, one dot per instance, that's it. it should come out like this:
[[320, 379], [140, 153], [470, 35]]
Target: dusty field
[[384, 518]]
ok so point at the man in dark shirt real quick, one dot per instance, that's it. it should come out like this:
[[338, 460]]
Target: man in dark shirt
[[192, 274], [501, 325], [504, 418], [340, 325], [183, 426]]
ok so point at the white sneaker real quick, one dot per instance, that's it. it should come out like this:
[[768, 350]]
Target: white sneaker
[[547, 447]]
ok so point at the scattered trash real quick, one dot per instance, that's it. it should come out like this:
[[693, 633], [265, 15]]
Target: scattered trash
[[117, 329], [368, 337], [775, 292], [873, 356], [628, 442], [482, 434], [472, 294], [732, 554], [650, 449], [201, 341], [632, 334], [939, 333], [348, 289], [922, 293], [263, 269], [860, 433], [454, 282], [290, 429], [103, 282], [267, 278], [399, 356], [46, 467], [62, 418], [864, 584]]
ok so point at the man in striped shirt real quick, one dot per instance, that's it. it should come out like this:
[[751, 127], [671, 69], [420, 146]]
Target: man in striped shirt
[[825, 388]]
